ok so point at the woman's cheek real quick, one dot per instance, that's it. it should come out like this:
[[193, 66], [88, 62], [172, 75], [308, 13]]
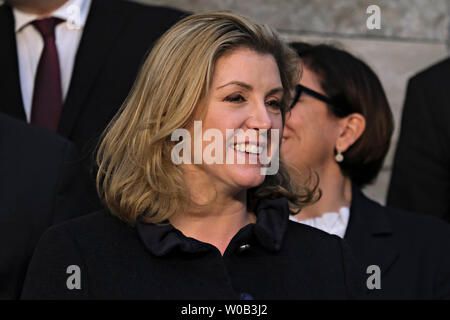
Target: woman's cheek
[[277, 122]]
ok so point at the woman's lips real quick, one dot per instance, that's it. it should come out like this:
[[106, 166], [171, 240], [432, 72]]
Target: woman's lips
[[251, 152]]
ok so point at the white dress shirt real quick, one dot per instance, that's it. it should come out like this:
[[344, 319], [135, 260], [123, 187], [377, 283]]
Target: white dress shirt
[[330, 222], [30, 45]]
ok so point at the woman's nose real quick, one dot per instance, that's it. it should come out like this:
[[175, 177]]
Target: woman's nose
[[259, 117]]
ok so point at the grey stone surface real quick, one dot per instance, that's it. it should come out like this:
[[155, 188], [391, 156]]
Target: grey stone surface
[[415, 20]]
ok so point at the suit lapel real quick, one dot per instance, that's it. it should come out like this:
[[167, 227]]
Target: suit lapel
[[370, 233], [100, 32], [10, 163], [9, 81]]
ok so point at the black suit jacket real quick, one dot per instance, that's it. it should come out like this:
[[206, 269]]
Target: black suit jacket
[[421, 173], [272, 259], [115, 40], [412, 250], [41, 184]]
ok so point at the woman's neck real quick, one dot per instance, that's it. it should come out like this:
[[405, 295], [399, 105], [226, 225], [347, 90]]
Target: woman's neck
[[217, 218], [336, 193]]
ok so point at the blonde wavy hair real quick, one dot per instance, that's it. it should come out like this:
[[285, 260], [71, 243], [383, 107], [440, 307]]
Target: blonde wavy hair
[[136, 176]]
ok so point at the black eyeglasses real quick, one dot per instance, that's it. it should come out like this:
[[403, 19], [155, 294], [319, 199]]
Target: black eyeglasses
[[299, 89]]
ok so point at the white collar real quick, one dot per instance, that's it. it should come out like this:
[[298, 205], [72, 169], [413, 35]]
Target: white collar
[[75, 11], [330, 222]]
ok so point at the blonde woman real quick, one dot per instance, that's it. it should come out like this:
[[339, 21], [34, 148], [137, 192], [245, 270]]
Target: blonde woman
[[197, 229]]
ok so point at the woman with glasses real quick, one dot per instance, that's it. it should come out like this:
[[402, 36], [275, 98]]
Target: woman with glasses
[[340, 125]]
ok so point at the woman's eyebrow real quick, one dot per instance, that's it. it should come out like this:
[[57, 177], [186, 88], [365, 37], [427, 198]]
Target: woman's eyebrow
[[275, 91], [250, 88], [238, 83]]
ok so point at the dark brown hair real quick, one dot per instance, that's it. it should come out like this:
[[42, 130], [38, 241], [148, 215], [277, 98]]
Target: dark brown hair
[[353, 87]]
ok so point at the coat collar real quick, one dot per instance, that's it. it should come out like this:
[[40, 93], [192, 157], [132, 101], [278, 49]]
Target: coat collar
[[268, 231], [370, 232]]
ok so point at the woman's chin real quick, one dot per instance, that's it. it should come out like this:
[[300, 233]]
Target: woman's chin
[[248, 176]]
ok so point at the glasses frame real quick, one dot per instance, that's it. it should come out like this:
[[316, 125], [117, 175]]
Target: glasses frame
[[299, 89]]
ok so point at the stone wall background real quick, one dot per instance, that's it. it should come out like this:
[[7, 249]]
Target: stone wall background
[[414, 34]]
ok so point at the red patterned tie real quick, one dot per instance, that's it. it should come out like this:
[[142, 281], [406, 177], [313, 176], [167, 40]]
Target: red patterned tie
[[47, 96]]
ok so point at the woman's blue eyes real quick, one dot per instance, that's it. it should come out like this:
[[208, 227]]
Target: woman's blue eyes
[[240, 98]]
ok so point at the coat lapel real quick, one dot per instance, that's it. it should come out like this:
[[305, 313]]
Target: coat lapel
[[10, 163], [101, 29], [370, 233], [9, 80]]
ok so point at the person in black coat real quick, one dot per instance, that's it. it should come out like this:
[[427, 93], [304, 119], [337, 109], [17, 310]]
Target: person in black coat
[[340, 125], [107, 51], [410, 248], [41, 185], [262, 261], [420, 178], [181, 222]]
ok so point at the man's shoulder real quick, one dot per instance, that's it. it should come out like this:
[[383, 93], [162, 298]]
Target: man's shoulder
[[435, 72], [146, 8], [140, 11]]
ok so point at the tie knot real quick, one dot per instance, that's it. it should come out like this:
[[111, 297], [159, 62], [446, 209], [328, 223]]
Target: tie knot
[[46, 26]]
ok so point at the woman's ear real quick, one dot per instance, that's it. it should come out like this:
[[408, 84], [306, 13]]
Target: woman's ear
[[352, 127]]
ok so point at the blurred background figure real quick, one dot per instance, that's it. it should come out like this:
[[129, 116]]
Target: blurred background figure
[[421, 175], [67, 65], [340, 125], [41, 184]]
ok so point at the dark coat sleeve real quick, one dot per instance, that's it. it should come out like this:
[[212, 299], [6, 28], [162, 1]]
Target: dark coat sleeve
[[420, 179]]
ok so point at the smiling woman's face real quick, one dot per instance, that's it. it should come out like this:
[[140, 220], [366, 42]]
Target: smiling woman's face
[[246, 94]]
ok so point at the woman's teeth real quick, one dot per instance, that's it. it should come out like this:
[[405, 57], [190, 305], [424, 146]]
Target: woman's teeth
[[249, 148]]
